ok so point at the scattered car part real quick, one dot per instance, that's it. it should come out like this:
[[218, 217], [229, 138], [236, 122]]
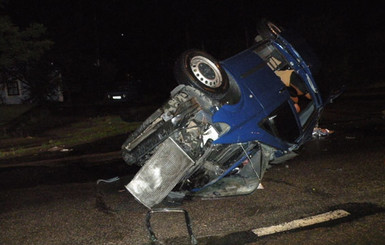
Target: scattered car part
[[153, 237]]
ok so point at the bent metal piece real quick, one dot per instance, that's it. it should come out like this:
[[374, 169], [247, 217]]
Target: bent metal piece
[[153, 238], [160, 174]]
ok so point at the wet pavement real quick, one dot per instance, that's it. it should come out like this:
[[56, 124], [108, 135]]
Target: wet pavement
[[62, 204]]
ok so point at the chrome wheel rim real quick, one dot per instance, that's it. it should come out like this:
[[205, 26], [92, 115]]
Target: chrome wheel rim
[[206, 72]]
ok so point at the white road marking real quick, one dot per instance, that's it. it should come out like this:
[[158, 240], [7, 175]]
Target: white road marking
[[308, 221]]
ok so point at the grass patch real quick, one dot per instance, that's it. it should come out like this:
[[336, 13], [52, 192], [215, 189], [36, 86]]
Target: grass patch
[[93, 129], [82, 132]]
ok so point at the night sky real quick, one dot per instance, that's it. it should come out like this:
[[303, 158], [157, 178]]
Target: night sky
[[145, 37]]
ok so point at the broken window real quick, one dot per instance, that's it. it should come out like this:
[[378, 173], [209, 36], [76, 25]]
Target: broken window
[[296, 86], [271, 56]]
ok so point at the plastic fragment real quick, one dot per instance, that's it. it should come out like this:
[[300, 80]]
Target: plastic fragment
[[319, 132]]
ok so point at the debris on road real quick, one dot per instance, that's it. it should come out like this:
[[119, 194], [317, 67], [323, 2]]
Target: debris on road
[[59, 148], [320, 132], [108, 180]]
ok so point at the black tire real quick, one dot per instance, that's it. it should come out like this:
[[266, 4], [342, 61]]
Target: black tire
[[268, 30], [200, 70]]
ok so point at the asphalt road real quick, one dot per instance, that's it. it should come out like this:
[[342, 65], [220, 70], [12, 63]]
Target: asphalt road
[[62, 204]]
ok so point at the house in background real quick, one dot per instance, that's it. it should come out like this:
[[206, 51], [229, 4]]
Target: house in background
[[12, 92], [15, 91]]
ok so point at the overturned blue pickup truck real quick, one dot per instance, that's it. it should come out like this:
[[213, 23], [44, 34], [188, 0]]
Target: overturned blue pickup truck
[[225, 122]]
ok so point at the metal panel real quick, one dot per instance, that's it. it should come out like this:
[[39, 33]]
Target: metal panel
[[160, 174]]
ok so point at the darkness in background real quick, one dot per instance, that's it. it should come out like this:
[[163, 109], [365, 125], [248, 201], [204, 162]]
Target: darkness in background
[[144, 37]]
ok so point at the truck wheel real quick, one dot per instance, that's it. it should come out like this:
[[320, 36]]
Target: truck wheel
[[200, 70], [268, 30]]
